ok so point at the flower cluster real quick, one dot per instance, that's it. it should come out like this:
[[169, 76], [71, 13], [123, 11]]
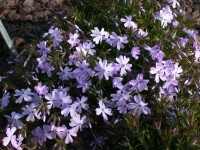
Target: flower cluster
[[108, 75]]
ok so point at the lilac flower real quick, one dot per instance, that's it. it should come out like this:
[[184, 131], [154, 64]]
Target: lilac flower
[[78, 122], [81, 104], [73, 39], [129, 23], [103, 110], [103, 69], [175, 3], [135, 52], [123, 63], [165, 16], [4, 101], [139, 83], [99, 35], [41, 89], [11, 138], [139, 107], [14, 120], [23, 95], [42, 48], [65, 73], [117, 41], [30, 110]]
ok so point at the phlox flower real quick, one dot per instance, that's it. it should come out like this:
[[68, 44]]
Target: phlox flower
[[117, 82], [142, 33], [103, 69], [197, 51], [48, 68], [39, 136], [155, 52], [135, 52], [139, 107], [48, 131], [41, 89], [67, 109], [177, 70], [81, 104], [2, 78], [14, 120], [55, 34], [139, 83], [4, 101], [78, 122], [86, 48], [123, 64], [165, 16], [61, 131], [103, 110], [83, 71], [11, 138], [43, 48], [70, 132], [24, 94], [122, 107], [175, 3], [183, 42], [57, 98], [85, 85], [73, 39], [117, 41], [120, 96], [30, 110], [99, 35], [158, 71], [128, 23], [65, 73]]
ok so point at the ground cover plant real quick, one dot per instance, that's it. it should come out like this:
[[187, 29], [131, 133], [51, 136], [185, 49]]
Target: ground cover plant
[[109, 75]]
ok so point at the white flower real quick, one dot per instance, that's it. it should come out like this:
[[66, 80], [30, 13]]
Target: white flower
[[99, 35], [104, 69], [103, 110], [129, 23]]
